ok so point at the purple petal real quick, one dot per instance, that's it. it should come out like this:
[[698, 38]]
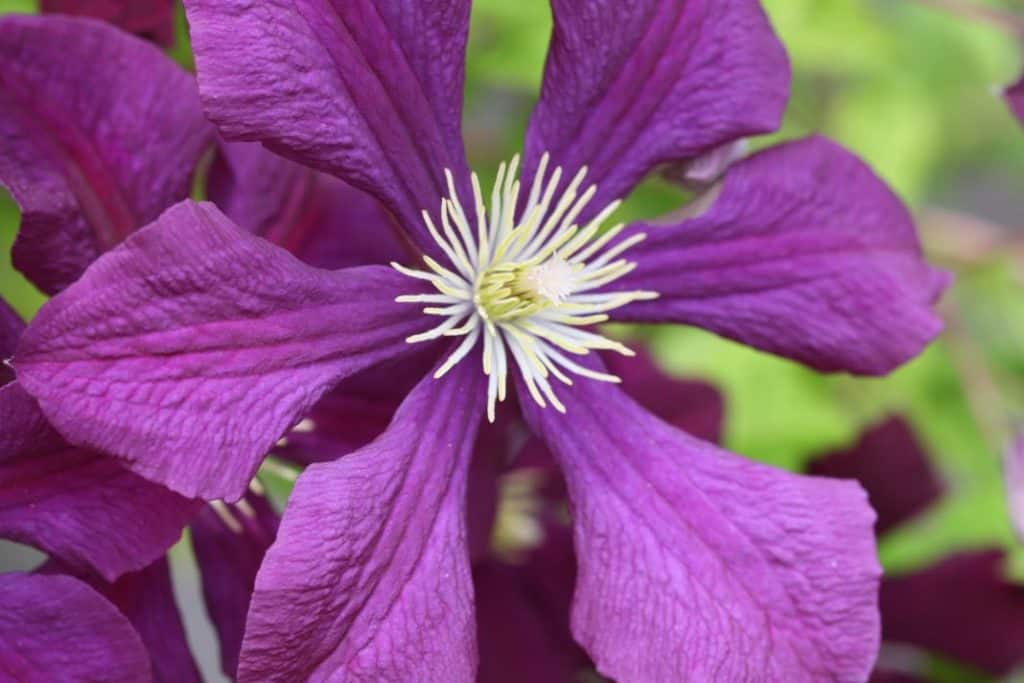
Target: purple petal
[[1013, 477], [322, 220], [805, 253], [1015, 98], [146, 598], [191, 348], [229, 548], [150, 19], [79, 506], [369, 577], [358, 410], [695, 564], [693, 406], [962, 608], [55, 628], [629, 86], [892, 467], [369, 90], [100, 131], [11, 327], [517, 643]]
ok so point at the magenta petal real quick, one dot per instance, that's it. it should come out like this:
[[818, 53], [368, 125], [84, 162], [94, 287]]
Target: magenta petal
[[631, 85], [146, 598], [81, 507], [962, 608], [229, 548], [55, 628], [150, 19], [1015, 98], [322, 220], [191, 348], [100, 132], [517, 642], [358, 410], [891, 465], [695, 564], [369, 90], [369, 577], [693, 406], [805, 253]]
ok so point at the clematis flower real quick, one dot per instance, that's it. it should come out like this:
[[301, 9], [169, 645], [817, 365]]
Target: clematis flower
[[193, 347], [901, 484], [150, 19], [56, 628]]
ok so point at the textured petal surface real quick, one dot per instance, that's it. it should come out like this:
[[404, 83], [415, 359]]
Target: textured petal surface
[[695, 564], [693, 406], [79, 506], [369, 577], [632, 85], [892, 467], [322, 220], [369, 90], [146, 598], [229, 548], [805, 253], [55, 628], [100, 133], [1015, 98], [962, 608], [150, 19], [191, 348]]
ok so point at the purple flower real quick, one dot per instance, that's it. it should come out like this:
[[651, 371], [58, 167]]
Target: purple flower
[[193, 347], [894, 469], [55, 628], [150, 19]]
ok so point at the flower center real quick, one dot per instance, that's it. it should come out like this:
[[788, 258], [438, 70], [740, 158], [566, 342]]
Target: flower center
[[509, 291], [528, 288]]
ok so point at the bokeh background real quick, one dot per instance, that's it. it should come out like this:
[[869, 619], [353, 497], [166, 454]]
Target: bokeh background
[[913, 87]]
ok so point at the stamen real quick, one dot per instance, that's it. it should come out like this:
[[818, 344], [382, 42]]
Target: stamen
[[225, 514], [527, 288]]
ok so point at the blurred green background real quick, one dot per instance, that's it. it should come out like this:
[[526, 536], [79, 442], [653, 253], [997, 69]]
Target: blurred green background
[[912, 86]]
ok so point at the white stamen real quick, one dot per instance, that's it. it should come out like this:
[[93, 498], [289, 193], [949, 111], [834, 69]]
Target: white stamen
[[527, 288], [226, 516]]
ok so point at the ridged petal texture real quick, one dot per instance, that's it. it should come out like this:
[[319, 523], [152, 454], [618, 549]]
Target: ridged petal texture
[[695, 564], [632, 85], [369, 578], [190, 349], [369, 90], [806, 254]]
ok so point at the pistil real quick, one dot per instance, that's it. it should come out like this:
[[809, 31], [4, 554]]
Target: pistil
[[527, 288]]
